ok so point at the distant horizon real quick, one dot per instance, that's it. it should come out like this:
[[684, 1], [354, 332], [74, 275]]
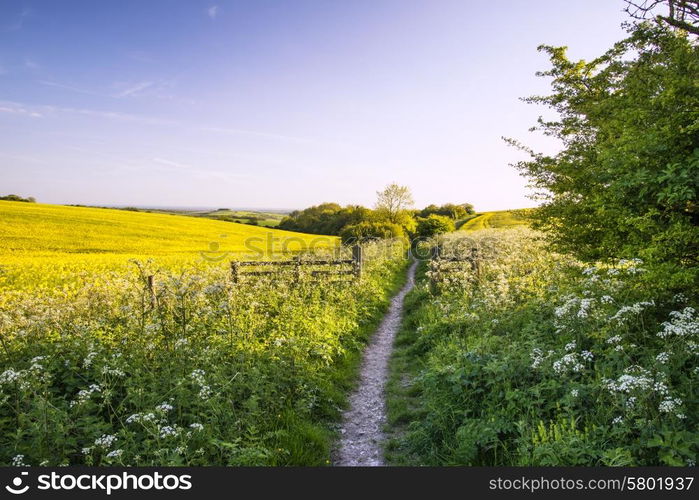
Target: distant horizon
[[194, 208]]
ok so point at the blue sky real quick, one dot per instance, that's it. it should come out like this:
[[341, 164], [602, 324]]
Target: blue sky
[[278, 104]]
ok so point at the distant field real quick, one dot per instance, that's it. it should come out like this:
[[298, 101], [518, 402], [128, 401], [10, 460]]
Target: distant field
[[267, 219], [49, 243], [253, 217], [496, 220]]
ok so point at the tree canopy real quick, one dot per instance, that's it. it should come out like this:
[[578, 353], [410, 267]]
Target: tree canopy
[[15, 197], [625, 182]]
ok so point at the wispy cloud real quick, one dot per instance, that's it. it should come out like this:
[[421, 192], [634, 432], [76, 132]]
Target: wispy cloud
[[63, 86], [134, 89], [15, 109], [268, 135], [30, 64], [45, 110], [158, 89], [212, 11], [172, 164], [198, 172]]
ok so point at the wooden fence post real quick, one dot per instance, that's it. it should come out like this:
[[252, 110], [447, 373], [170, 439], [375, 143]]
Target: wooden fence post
[[150, 284], [297, 271], [475, 264], [358, 258], [235, 271]]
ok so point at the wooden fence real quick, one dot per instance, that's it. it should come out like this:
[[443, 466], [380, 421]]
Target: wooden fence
[[301, 268], [352, 268]]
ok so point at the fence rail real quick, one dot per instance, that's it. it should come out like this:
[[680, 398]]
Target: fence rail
[[241, 269]]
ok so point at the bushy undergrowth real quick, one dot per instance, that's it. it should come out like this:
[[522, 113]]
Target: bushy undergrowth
[[535, 359], [204, 373]]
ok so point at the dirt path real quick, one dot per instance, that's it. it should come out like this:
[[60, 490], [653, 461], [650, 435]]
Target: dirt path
[[361, 434]]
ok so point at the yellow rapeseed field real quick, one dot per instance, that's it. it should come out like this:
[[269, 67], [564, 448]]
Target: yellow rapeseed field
[[45, 245], [496, 220]]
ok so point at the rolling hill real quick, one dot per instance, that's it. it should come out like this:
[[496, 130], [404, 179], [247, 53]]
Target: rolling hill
[[495, 220]]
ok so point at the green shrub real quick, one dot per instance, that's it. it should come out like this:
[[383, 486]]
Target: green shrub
[[433, 225], [366, 231]]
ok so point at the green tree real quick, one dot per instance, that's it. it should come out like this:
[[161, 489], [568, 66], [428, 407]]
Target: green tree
[[625, 182], [433, 225], [14, 197], [448, 210], [363, 231], [393, 201]]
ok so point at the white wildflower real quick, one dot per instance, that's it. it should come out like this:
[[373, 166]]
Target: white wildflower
[[164, 407], [668, 405], [141, 417], [682, 323], [115, 372], [105, 441], [87, 362], [625, 312], [115, 453], [568, 363], [85, 394], [168, 431], [662, 358], [9, 376]]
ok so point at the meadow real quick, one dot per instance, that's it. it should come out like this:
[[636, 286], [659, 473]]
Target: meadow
[[533, 358], [96, 368]]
